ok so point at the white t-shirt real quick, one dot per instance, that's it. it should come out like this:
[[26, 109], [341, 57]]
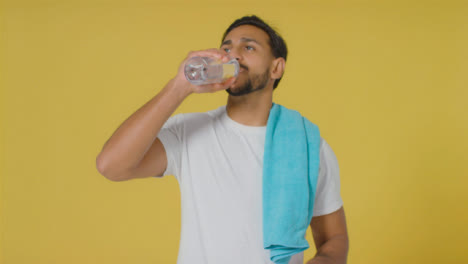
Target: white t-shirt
[[218, 164]]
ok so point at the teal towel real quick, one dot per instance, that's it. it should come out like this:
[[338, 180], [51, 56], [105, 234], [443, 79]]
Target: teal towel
[[290, 171]]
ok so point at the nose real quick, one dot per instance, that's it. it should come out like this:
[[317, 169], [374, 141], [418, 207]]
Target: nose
[[235, 54]]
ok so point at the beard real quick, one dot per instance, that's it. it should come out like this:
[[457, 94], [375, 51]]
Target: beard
[[256, 83]]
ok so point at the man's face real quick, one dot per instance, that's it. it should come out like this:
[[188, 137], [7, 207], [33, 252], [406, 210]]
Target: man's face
[[250, 46]]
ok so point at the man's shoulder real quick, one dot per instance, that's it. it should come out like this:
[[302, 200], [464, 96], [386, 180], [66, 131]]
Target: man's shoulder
[[199, 117]]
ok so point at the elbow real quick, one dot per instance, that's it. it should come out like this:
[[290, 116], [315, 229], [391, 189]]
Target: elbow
[[109, 170], [103, 167]]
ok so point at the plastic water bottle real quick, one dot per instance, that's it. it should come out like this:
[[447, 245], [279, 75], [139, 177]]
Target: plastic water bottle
[[205, 70]]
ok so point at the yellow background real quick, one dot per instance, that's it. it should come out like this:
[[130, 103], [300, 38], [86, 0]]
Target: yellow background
[[386, 82]]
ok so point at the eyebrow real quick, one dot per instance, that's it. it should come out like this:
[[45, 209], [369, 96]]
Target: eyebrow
[[228, 42]]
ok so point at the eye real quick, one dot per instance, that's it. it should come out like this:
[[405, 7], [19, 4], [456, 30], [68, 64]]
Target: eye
[[227, 50], [249, 48]]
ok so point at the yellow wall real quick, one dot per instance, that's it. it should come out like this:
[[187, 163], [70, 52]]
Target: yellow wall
[[386, 82]]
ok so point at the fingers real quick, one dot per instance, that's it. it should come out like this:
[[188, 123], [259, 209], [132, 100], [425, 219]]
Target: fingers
[[224, 85], [214, 87], [213, 53], [207, 88]]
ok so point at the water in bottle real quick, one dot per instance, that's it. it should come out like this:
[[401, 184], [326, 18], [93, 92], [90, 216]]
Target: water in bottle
[[205, 70]]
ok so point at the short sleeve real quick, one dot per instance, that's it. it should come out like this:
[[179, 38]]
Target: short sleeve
[[327, 198], [171, 137]]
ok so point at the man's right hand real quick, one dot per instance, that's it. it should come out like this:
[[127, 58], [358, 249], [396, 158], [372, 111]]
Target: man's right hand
[[134, 151], [181, 81]]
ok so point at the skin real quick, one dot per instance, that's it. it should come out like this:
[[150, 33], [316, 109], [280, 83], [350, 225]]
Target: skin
[[134, 151], [250, 46], [329, 231]]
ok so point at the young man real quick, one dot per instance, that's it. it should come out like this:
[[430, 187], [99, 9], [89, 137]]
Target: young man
[[217, 156]]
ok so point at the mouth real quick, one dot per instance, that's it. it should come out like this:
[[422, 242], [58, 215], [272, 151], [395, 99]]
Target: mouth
[[243, 68]]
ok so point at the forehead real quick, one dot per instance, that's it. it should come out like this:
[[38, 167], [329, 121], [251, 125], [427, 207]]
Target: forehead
[[248, 31]]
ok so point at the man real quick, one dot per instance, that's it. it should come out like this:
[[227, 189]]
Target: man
[[217, 156]]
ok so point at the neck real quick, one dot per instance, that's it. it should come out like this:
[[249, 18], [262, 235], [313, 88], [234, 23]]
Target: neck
[[251, 109]]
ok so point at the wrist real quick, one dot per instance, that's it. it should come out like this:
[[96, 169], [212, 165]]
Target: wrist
[[179, 88]]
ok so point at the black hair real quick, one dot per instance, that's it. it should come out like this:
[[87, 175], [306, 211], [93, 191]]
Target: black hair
[[277, 44]]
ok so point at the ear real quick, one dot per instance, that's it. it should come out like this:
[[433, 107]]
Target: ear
[[277, 68]]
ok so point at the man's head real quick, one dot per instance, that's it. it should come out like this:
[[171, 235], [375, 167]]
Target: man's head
[[261, 53]]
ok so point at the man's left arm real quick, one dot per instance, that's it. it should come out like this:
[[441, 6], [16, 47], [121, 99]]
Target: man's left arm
[[330, 237]]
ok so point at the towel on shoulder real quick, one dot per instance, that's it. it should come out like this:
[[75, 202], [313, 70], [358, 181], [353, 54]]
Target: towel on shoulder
[[290, 172]]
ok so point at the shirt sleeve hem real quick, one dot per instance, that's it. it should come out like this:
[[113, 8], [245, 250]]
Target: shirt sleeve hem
[[330, 209]]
